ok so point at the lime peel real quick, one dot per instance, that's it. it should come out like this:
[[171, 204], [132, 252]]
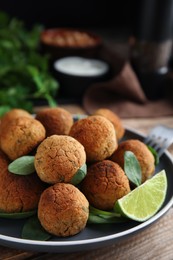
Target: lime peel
[[144, 201]]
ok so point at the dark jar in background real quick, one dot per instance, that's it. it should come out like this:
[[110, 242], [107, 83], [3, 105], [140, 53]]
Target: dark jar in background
[[151, 46]]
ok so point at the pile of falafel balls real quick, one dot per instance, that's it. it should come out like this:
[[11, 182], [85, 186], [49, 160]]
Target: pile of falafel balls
[[61, 146]]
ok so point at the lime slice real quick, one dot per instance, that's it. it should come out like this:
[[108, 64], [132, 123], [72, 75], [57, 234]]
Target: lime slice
[[144, 201]]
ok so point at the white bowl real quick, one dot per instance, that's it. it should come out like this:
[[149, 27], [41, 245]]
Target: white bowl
[[75, 74]]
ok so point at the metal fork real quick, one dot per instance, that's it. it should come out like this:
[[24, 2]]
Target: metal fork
[[160, 138]]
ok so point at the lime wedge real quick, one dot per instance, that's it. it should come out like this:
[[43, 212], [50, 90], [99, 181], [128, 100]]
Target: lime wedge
[[145, 200]]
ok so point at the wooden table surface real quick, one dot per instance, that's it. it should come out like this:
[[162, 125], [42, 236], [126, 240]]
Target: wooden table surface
[[155, 242]]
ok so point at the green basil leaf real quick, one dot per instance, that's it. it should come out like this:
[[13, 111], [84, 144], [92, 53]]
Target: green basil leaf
[[98, 216], [103, 213], [22, 166], [132, 168], [155, 154], [18, 215], [33, 230], [100, 220], [80, 175]]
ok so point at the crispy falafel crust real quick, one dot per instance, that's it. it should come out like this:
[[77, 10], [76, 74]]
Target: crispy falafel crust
[[14, 113], [18, 193], [104, 184], [141, 151], [115, 120], [63, 210], [4, 161], [21, 136], [8, 116], [58, 158], [97, 135], [55, 120]]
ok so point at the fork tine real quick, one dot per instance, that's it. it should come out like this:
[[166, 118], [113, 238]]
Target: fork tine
[[151, 138], [160, 138], [159, 146], [163, 148]]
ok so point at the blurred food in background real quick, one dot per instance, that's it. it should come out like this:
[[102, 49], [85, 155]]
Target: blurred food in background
[[61, 42]]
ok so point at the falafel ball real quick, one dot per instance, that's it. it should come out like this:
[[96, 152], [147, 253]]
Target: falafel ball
[[58, 158], [142, 153], [63, 210], [21, 136], [97, 135], [18, 193], [4, 161], [13, 113], [55, 120], [104, 184], [115, 120]]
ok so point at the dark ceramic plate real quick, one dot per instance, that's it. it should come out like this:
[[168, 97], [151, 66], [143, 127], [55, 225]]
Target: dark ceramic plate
[[93, 236]]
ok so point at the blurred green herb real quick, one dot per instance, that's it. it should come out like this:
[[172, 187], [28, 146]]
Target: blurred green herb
[[24, 71]]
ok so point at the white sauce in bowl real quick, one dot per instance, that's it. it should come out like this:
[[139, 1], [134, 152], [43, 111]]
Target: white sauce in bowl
[[79, 66]]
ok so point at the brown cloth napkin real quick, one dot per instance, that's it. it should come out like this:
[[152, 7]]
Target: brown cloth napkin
[[123, 93]]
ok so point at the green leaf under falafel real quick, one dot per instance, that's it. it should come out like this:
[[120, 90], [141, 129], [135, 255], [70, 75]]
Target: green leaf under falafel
[[132, 168], [17, 215], [80, 175], [33, 230], [22, 166]]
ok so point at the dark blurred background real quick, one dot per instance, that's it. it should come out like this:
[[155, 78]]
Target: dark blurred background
[[149, 22], [118, 15]]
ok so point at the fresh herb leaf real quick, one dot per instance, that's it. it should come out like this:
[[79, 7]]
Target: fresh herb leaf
[[98, 216], [132, 168], [80, 175], [155, 154], [101, 220], [100, 212], [33, 230], [24, 71], [22, 166], [18, 215], [4, 109]]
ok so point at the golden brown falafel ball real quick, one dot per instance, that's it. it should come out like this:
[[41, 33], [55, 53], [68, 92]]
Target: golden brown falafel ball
[[142, 153], [55, 120], [58, 158], [104, 184], [97, 135], [18, 193], [63, 210], [21, 137], [4, 161], [115, 120], [13, 113]]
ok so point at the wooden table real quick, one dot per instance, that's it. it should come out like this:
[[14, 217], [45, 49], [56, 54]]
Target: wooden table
[[155, 242]]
